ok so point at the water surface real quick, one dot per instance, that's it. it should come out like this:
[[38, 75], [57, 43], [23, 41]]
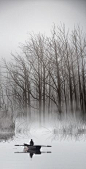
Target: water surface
[[67, 138]]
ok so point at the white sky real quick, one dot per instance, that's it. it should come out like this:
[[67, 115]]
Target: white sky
[[18, 18]]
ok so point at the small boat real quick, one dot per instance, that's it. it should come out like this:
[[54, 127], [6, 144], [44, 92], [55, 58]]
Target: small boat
[[34, 147]]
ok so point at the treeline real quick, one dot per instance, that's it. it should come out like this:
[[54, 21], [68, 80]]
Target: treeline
[[49, 72]]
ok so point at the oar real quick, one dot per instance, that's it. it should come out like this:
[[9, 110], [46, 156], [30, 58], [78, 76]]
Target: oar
[[46, 152], [33, 145], [41, 145], [20, 145], [34, 152], [45, 146], [20, 152]]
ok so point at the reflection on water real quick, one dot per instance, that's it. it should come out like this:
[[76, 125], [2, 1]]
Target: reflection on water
[[65, 134], [65, 127], [7, 127], [53, 126], [6, 136], [68, 132], [33, 152]]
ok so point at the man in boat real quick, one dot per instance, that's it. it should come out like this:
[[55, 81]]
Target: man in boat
[[31, 142]]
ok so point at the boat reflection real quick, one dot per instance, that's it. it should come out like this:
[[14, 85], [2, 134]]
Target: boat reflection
[[36, 152], [33, 152]]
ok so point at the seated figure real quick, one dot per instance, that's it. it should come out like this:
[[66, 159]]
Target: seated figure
[[31, 142]]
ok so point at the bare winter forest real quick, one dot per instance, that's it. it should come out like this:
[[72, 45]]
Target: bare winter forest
[[49, 73]]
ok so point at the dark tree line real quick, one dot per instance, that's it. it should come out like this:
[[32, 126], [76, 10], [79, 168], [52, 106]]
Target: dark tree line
[[49, 72]]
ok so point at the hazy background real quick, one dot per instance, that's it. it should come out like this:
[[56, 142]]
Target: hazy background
[[18, 18]]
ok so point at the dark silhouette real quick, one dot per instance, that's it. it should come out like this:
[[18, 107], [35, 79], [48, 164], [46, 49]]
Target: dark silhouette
[[31, 142], [31, 155]]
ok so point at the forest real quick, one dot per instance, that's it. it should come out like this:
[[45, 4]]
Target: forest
[[48, 74]]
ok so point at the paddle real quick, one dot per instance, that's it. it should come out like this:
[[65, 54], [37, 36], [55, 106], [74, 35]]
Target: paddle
[[23, 144], [33, 145], [45, 146], [33, 152], [19, 145]]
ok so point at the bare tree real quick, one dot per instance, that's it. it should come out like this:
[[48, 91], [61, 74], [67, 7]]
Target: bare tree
[[50, 72]]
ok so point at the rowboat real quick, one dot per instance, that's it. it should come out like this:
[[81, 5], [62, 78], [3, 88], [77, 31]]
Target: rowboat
[[34, 147]]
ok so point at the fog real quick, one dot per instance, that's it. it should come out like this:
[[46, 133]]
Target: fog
[[66, 136], [19, 18], [43, 83]]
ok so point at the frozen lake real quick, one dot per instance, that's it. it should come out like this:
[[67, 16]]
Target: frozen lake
[[67, 138]]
